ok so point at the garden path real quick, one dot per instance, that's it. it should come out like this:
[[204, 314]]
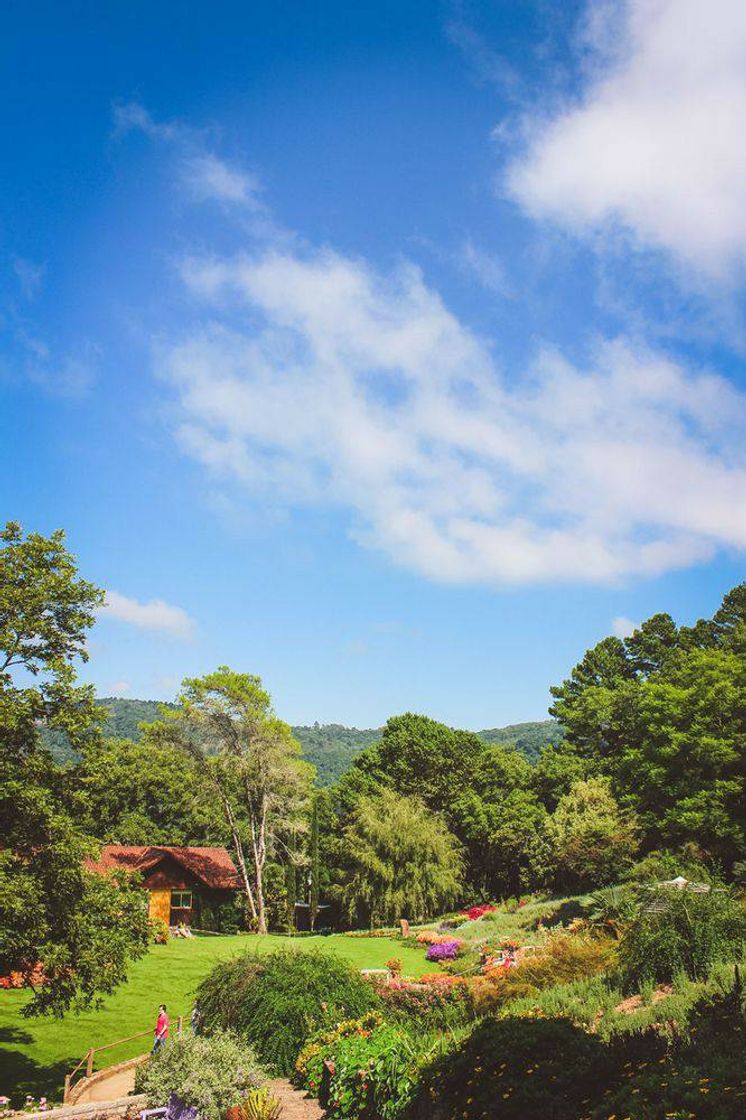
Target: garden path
[[295, 1104]]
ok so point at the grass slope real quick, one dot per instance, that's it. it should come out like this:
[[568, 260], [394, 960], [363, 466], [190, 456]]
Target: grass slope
[[35, 1054]]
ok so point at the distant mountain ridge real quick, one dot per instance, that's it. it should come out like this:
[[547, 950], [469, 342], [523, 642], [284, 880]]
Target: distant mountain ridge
[[330, 747]]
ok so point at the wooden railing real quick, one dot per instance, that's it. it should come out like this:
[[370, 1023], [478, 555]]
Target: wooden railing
[[88, 1058]]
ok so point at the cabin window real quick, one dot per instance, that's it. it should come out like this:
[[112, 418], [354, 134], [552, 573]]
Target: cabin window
[[181, 900]]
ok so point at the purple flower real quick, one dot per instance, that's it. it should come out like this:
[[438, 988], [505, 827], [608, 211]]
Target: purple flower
[[446, 951]]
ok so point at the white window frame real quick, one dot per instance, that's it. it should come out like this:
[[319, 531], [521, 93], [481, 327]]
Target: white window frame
[[181, 895]]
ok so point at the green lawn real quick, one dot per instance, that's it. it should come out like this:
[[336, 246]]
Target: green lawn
[[35, 1054]]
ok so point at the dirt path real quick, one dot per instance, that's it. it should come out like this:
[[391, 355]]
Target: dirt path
[[120, 1084], [295, 1104]]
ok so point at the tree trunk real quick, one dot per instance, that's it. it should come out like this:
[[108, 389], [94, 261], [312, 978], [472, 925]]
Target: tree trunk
[[259, 844], [313, 900], [240, 857]]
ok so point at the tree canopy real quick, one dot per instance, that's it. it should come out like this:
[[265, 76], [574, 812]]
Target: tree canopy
[[79, 928], [398, 861]]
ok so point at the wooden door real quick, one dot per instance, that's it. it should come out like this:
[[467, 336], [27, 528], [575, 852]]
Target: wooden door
[[159, 905]]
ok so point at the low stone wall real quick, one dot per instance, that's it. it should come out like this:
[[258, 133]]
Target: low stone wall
[[126, 1108]]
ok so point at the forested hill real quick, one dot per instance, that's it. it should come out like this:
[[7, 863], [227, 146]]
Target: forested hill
[[331, 747]]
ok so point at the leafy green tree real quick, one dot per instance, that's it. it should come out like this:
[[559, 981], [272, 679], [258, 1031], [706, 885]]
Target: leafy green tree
[[663, 715], [45, 611], [81, 928], [500, 821], [556, 771], [399, 860], [250, 762], [420, 757], [684, 766], [506, 843], [592, 839], [145, 792]]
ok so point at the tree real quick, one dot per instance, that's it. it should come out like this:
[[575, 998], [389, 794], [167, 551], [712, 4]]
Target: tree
[[45, 611], [420, 757], [663, 716], [500, 821], [82, 929], [684, 766], [592, 839], [399, 860], [251, 763], [315, 859], [506, 842]]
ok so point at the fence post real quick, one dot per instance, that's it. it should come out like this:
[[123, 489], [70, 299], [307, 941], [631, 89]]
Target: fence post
[[179, 1024], [89, 1064], [66, 1093]]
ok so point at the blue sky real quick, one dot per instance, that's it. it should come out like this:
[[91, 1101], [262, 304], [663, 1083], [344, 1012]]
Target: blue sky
[[391, 351]]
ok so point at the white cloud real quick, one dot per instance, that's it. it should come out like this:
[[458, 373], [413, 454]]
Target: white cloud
[[119, 688], [211, 178], [131, 116], [363, 391], [655, 143], [487, 269], [154, 615], [623, 627]]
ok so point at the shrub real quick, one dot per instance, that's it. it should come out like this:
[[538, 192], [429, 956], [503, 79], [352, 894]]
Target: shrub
[[430, 1006], [258, 1104], [444, 950], [475, 912], [686, 932], [209, 1074], [612, 909], [512, 1068], [277, 1000], [372, 1075], [159, 931], [322, 1040], [564, 957]]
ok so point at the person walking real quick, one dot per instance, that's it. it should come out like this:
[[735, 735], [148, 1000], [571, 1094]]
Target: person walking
[[161, 1029]]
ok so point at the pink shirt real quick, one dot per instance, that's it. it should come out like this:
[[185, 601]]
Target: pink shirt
[[161, 1027]]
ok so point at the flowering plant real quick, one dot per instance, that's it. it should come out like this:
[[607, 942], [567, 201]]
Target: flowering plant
[[445, 951], [319, 1042], [475, 912], [427, 937]]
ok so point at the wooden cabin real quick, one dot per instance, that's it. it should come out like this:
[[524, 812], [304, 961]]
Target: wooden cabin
[[182, 883]]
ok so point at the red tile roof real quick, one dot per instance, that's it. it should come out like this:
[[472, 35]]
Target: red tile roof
[[213, 866]]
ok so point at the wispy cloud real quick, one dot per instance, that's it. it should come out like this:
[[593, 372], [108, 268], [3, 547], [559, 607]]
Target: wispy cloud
[[486, 64], [30, 276], [485, 267], [70, 375], [654, 144], [202, 173], [119, 688], [362, 390], [154, 615], [132, 116], [211, 178], [623, 627]]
